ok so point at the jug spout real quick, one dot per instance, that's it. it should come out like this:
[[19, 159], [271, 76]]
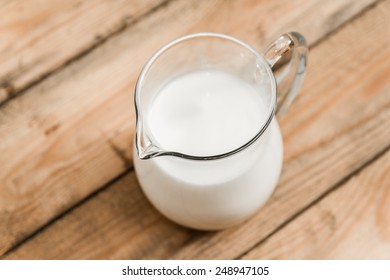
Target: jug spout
[[144, 146], [148, 152]]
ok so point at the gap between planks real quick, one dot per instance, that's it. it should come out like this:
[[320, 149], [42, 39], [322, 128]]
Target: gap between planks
[[351, 223], [126, 172], [10, 93], [342, 25], [70, 209], [131, 169], [342, 182]]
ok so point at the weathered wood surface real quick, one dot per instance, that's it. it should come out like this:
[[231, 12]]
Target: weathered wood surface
[[353, 222], [39, 36], [71, 134], [330, 132]]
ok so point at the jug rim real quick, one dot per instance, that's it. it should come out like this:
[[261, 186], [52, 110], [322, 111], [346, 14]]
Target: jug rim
[[154, 151]]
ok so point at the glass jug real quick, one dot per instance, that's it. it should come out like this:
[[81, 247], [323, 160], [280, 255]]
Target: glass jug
[[207, 190]]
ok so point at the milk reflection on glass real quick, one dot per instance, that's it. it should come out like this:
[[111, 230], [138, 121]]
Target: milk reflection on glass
[[212, 151]]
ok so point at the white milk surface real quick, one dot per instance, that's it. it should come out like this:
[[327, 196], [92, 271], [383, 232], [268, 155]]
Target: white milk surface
[[209, 113], [206, 113]]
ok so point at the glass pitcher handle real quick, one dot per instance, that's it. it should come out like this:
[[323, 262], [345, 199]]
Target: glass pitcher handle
[[289, 48]]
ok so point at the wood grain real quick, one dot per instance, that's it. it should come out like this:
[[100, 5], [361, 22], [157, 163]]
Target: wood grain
[[338, 123], [39, 36], [330, 132], [72, 133], [353, 222], [114, 215]]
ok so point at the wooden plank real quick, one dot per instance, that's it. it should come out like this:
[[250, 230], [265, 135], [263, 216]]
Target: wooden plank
[[353, 222], [72, 133], [114, 215], [39, 36], [32, 34], [338, 123], [338, 129]]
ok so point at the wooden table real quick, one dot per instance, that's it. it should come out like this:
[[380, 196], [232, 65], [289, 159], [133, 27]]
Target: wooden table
[[67, 186]]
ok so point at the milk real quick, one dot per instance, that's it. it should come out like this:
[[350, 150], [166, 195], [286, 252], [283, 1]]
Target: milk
[[206, 113]]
